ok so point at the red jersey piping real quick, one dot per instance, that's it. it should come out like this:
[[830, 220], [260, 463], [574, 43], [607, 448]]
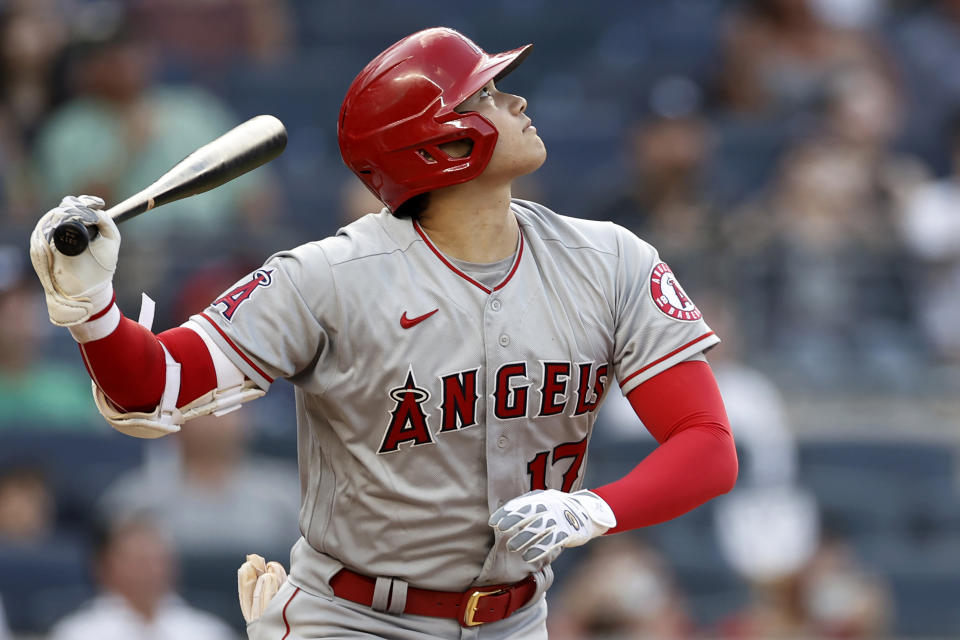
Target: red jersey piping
[[669, 355], [286, 623], [235, 348], [452, 267]]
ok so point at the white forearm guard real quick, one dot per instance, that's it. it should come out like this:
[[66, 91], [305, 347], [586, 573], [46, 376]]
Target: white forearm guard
[[232, 391], [167, 418]]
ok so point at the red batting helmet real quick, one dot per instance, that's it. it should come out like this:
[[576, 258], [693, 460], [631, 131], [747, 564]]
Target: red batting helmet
[[400, 108]]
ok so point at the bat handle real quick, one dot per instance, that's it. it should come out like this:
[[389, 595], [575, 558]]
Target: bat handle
[[71, 237]]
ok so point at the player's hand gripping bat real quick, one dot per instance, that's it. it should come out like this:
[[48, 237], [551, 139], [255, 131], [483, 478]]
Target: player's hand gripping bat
[[236, 152]]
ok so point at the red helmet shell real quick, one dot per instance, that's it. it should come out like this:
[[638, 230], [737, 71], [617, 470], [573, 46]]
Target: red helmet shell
[[400, 108]]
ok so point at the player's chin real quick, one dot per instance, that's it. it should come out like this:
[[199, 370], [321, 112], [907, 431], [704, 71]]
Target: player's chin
[[536, 155]]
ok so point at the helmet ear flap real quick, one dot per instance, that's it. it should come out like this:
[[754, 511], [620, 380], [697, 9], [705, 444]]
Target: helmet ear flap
[[470, 130], [477, 132]]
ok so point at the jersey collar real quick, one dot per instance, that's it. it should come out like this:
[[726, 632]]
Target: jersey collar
[[453, 267]]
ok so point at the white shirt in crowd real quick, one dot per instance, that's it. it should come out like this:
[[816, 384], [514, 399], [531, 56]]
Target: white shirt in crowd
[[109, 617], [4, 631]]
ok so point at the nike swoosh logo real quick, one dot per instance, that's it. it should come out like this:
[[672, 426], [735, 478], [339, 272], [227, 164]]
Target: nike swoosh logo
[[406, 322]]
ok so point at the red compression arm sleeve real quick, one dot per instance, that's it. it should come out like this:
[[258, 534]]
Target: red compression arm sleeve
[[696, 459], [128, 365]]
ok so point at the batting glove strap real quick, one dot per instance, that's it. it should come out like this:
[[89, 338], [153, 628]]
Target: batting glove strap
[[539, 524], [98, 326]]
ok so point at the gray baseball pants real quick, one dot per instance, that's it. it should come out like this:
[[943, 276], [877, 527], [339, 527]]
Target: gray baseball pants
[[296, 614]]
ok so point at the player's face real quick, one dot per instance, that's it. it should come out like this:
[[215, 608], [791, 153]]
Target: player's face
[[519, 149]]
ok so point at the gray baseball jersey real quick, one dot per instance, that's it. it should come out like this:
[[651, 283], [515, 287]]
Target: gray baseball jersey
[[426, 399]]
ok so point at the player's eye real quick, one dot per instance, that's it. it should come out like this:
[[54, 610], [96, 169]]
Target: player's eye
[[467, 105]]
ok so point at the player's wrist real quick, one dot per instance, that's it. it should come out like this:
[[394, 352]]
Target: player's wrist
[[104, 321], [600, 513]]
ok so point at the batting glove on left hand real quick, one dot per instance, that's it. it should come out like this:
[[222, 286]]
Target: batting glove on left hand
[[79, 286], [258, 581], [538, 525]]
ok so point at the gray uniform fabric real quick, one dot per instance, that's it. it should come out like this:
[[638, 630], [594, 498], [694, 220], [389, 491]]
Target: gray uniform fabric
[[426, 399]]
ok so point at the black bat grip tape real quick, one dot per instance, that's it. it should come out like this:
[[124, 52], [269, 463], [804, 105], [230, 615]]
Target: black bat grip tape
[[71, 237]]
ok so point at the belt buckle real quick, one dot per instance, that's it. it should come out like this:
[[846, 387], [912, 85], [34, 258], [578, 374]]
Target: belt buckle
[[470, 609]]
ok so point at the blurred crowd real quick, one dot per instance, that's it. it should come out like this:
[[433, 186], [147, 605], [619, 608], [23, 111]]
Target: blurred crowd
[[797, 162]]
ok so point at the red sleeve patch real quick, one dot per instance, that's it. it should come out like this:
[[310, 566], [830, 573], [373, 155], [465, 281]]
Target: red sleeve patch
[[670, 297]]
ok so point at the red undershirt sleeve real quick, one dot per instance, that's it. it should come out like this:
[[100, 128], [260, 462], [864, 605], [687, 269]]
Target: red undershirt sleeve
[[696, 460], [130, 368]]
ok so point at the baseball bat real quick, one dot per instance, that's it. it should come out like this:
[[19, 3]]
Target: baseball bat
[[242, 149]]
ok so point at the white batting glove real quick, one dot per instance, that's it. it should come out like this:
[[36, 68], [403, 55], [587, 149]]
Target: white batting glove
[[257, 583], [76, 286], [540, 524]]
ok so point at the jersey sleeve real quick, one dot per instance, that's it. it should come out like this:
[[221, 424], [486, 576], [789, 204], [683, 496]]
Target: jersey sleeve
[[657, 324], [277, 321]]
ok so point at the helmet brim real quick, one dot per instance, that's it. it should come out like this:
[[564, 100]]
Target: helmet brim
[[493, 67]]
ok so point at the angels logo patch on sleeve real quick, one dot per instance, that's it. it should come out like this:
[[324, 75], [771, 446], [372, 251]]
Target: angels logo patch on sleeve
[[670, 297], [234, 298]]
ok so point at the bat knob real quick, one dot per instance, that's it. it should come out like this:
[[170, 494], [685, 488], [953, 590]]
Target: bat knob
[[71, 237]]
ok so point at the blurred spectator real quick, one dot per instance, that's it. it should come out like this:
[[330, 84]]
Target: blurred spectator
[[134, 567], [201, 39], [32, 35], [43, 572], [831, 596], [768, 534], [844, 598], [35, 392], [664, 199], [930, 224], [818, 257], [926, 43], [780, 55], [26, 506], [214, 496], [621, 589]]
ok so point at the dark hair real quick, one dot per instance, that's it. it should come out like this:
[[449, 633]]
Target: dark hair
[[107, 528], [413, 207]]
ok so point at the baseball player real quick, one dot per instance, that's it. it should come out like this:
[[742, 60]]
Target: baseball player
[[449, 355]]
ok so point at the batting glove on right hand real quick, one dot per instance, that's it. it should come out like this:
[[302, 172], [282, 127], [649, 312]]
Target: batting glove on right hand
[[257, 583], [540, 524], [76, 286]]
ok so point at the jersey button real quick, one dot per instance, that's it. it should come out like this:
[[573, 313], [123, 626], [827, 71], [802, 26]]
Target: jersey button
[[503, 441], [495, 305], [504, 340]]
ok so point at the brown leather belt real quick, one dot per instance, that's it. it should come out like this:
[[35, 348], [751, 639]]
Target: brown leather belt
[[472, 607]]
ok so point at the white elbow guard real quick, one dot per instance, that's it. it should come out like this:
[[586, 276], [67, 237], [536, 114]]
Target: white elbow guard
[[232, 391]]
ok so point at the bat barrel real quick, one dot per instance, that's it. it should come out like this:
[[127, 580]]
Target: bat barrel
[[242, 149]]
